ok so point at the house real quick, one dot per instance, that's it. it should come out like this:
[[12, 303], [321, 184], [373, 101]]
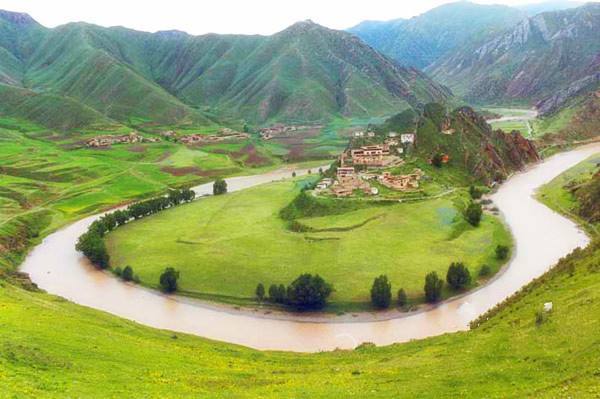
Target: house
[[345, 172], [392, 142], [392, 134], [370, 155], [401, 182], [407, 138], [371, 134], [107, 140], [359, 134], [324, 184]]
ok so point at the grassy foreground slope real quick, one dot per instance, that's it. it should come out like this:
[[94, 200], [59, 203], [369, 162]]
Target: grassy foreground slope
[[224, 246], [52, 348]]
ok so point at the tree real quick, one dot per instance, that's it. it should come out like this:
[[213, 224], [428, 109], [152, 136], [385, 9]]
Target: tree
[[168, 280], [437, 160], [260, 292], [309, 292], [473, 214], [277, 293], [381, 292], [127, 273], [475, 192], [433, 287], [458, 275], [402, 298], [219, 187], [294, 174], [93, 247], [502, 252], [485, 270], [320, 171]]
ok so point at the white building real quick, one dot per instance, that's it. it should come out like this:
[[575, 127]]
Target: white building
[[407, 138]]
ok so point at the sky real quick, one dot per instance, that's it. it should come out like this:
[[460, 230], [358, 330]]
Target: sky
[[223, 16]]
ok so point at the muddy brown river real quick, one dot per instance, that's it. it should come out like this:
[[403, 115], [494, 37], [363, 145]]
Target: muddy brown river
[[541, 235]]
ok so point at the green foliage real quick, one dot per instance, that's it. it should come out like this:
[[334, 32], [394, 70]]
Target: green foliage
[[475, 192], [127, 274], [402, 297], [260, 291], [381, 292], [219, 187], [309, 292], [433, 287], [485, 271], [277, 293], [93, 247], [458, 276], [473, 214], [168, 280], [502, 252]]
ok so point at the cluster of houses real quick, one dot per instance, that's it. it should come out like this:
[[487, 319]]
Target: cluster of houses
[[279, 129], [131, 138], [223, 135], [360, 167]]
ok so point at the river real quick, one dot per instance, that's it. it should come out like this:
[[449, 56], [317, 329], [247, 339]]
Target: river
[[542, 237]]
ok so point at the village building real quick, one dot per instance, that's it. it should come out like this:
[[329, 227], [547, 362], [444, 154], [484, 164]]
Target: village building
[[107, 140], [324, 184], [392, 134], [401, 182], [370, 155], [371, 134], [359, 134], [407, 138], [225, 135]]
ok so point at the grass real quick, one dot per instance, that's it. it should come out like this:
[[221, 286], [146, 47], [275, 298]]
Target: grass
[[50, 348], [225, 246], [557, 196]]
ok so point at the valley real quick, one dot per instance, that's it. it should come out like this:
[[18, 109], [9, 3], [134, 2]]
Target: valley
[[292, 207]]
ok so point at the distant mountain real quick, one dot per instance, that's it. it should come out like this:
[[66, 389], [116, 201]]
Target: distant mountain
[[545, 6], [304, 73], [544, 60], [424, 39]]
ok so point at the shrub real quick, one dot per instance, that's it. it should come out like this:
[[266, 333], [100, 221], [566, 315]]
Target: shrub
[[475, 192], [309, 292], [458, 275], [118, 271], [92, 245], [433, 287], [168, 280], [127, 273], [485, 270], [402, 297], [502, 252], [540, 317], [219, 187], [437, 160], [277, 293], [294, 174], [473, 214], [381, 292], [260, 292]]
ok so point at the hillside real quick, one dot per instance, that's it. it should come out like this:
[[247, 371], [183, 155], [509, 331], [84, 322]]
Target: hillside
[[53, 348], [304, 73], [424, 39], [544, 60], [470, 143]]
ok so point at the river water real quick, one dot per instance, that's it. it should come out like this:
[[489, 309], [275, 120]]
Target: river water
[[542, 237]]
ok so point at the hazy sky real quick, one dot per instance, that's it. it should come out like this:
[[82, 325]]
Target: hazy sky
[[222, 16]]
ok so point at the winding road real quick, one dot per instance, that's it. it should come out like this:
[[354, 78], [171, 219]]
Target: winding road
[[542, 237]]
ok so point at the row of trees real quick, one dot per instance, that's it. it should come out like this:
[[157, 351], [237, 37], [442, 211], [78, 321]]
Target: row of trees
[[309, 292], [457, 277], [91, 243]]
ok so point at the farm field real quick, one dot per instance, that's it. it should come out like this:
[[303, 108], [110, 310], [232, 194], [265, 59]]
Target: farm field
[[224, 246], [47, 179]]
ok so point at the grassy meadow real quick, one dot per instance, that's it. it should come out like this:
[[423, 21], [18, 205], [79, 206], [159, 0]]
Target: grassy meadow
[[224, 246]]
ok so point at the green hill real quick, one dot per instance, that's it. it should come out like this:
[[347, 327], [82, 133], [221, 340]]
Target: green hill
[[470, 143], [304, 73]]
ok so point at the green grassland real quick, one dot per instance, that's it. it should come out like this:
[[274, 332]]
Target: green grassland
[[225, 246], [556, 193], [52, 348], [48, 177]]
